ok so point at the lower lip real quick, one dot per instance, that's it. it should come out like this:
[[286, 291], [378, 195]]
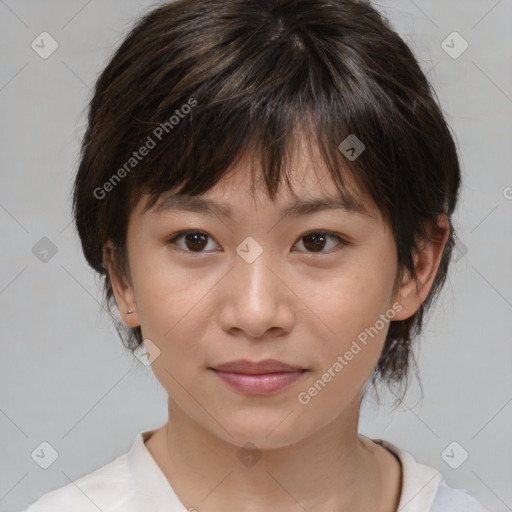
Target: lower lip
[[263, 384]]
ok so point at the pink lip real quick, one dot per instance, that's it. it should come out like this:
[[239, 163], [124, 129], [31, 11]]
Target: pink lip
[[256, 367], [258, 378]]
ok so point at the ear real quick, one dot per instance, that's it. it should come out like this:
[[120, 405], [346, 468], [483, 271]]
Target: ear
[[426, 263], [121, 286]]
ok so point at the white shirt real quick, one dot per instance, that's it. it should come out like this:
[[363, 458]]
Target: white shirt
[[134, 482]]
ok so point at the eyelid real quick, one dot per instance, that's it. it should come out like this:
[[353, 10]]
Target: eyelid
[[342, 241], [184, 232], [341, 237]]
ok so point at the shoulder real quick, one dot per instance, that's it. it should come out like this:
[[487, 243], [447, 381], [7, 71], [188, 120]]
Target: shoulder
[[424, 488], [130, 483], [450, 499], [104, 489]]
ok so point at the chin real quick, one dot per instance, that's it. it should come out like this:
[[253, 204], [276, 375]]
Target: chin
[[272, 432]]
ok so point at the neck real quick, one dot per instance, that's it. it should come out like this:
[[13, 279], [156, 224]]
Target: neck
[[334, 469]]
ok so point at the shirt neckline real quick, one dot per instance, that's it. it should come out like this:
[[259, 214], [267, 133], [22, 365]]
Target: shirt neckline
[[419, 482]]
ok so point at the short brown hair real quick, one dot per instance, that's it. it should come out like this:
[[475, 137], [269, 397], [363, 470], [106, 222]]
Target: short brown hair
[[244, 74]]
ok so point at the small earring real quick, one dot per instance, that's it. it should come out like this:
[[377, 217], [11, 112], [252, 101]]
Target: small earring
[[129, 312]]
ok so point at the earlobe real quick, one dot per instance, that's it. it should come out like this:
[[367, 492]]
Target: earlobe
[[123, 290], [426, 263]]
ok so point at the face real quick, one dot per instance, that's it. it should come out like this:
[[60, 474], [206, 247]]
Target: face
[[312, 290]]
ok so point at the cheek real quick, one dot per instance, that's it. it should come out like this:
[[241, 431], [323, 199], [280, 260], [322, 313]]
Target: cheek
[[356, 309], [173, 306], [357, 298], [174, 318], [166, 298], [360, 320]]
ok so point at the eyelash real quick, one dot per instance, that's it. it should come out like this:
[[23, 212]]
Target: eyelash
[[181, 234]]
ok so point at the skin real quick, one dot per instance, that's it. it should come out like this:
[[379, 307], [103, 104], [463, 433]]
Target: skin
[[292, 304]]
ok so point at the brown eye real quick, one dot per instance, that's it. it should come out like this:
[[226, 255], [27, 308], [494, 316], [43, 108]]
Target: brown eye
[[316, 241], [193, 241], [197, 241]]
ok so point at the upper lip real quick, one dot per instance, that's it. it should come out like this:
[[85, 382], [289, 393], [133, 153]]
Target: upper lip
[[256, 367]]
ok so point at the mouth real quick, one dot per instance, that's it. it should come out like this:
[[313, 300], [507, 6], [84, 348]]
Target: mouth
[[258, 378]]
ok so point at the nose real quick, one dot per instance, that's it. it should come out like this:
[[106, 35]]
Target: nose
[[257, 303]]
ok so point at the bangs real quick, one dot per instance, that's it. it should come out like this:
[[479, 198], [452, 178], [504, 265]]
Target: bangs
[[282, 93], [273, 163]]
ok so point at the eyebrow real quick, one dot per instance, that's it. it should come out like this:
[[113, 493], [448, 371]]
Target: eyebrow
[[297, 208]]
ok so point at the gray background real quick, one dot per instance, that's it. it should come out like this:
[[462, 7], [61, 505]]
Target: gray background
[[65, 377]]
